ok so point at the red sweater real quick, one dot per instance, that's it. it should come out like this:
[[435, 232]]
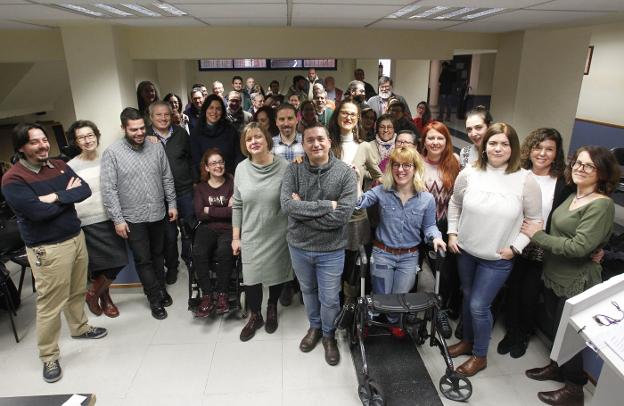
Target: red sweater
[[219, 216]]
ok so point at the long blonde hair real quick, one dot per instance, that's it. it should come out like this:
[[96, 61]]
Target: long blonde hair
[[405, 155]]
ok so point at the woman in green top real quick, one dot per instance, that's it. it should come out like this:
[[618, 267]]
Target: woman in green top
[[580, 225], [259, 226]]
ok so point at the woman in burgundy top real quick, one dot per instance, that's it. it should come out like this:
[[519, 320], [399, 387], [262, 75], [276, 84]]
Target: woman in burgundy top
[[213, 239]]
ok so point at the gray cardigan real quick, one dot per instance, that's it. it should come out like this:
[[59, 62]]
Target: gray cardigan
[[313, 224]]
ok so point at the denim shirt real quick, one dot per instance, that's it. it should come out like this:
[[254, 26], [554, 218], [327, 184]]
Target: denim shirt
[[400, 225]]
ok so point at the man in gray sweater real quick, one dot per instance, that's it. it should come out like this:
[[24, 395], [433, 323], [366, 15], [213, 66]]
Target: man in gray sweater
[[319, 196]]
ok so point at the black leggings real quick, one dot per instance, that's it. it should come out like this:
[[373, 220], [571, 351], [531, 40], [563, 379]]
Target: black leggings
[[110, 273], [213, 246], [524, 287], [254, 296]]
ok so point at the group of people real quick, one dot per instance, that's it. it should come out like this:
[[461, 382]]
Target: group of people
[[296, 197]]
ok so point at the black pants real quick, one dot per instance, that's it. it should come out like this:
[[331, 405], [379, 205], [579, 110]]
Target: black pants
[[147, 241], [185, 215], [573, 369], [254, 296], [213, 246], [349, 274], [524, 287]]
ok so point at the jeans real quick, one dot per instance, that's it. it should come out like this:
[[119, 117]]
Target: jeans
[[147, 241], [319, 276], [481, 280], [186, 214]]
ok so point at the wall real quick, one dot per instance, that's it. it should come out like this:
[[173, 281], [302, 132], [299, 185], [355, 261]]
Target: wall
[[485, 74], [506, 72], [411, 80], [602, 90]]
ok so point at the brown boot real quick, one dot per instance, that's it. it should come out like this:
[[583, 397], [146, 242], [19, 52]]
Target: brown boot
[[550, 372], [332, 355], [92, 297], [472, 366], [309, 341], [205, 307], [271, 321], [255, 322], [569, 395], [108, 306], [461, 348], [223, 303]]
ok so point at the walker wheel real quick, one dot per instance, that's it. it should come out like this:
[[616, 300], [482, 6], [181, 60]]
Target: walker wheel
[[370, 394], [455, 387]]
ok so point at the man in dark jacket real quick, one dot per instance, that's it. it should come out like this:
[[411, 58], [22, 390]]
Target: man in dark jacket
[[177, 146], [42, 193], [319, 196]]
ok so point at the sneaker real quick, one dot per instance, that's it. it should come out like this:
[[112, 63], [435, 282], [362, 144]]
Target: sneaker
[[93, 333], [443, 325], [52, 371], [223, 303]]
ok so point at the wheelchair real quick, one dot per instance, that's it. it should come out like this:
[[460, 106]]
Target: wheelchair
[[236, 294], [417, 315]]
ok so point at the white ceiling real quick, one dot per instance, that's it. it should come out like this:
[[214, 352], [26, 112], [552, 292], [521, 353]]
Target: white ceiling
[[519, 14]]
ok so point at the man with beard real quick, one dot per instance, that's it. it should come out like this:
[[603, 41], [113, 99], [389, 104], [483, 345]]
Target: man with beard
[[311, 80], [42, 193], [298, 88], [137, 186], [235, 113], [380, 103], [355, 91], [194, 110]]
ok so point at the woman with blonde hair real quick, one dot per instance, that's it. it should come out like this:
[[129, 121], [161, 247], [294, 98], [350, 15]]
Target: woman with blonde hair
[[407, 210]]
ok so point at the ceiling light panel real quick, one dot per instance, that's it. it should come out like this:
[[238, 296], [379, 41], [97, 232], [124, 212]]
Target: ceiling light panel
[[142, 10], [113, 10], [410, 8], [82, 10], [168, 8], [456, 13], [429, 12], [483, 13]]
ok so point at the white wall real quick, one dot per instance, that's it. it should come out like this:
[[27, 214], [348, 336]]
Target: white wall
[[602, 90], [411, 80]]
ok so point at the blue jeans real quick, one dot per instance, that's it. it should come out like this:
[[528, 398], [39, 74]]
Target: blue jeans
[[481, 280], [319, 276]]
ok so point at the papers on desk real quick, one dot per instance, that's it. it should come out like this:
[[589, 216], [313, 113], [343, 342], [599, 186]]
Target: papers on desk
[[613, 337], [616, 343]]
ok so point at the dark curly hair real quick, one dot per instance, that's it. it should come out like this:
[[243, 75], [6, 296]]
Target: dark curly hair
[[533, 140], [607, 168], [76, 125]]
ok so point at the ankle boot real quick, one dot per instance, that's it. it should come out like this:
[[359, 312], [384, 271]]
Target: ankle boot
[[255, 322], [461, 348], [550, 372], [92, 297], [106, 302], [472, 366], [569, 395], [271, 321]]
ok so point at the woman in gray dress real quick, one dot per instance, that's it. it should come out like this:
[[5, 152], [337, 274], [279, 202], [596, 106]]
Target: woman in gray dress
[[259, 227]]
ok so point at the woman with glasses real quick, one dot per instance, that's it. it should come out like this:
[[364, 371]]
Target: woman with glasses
[[378, 150], [177, 114], [407, 211], [107, 251], [489, 201], [212, 201], [580, 225], [405, 138], [542, 154]]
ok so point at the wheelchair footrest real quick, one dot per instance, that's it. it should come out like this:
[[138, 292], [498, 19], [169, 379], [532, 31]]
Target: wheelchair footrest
[[403, 302]]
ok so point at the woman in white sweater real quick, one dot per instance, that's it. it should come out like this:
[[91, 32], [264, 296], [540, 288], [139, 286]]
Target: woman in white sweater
[[107, 251], [489, 202]]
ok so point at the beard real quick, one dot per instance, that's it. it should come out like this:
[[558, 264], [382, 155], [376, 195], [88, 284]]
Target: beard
[[359, 98], [385, 95]]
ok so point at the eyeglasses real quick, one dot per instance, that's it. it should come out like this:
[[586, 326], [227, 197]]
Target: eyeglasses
[[397, 166], [216, 163], [386, 127], [401, 142], [604, 320], [348, 114], [585, 167], [83, 138]]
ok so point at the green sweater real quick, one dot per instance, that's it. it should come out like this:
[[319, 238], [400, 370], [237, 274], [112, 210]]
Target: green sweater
[[574, 235]]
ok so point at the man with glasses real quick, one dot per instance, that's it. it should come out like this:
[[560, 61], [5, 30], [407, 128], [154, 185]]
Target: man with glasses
[[381, 102], [318, 213], [175, 141]]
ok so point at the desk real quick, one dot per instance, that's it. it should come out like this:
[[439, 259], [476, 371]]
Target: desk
[[578, 329], [44, 400]]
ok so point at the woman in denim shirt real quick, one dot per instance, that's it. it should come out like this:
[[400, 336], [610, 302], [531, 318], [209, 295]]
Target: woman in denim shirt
[[406, 210]]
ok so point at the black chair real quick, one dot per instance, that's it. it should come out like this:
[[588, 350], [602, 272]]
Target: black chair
[[20, 258], [5, 294]]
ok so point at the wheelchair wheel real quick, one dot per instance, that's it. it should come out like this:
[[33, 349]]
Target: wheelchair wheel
[[455, 387], [370, 395]]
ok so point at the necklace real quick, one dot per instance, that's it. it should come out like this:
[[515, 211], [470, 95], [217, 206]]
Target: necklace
[[582, 196]]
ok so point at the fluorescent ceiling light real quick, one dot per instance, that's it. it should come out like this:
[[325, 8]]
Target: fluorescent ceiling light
[[482, 13], [170, 9], [431, 11], [405, 10], [83, 10], [456, 13], [113, 10], [142, 10]]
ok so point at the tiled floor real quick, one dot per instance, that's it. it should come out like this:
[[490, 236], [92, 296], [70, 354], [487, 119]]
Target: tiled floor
[[183, 361]]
